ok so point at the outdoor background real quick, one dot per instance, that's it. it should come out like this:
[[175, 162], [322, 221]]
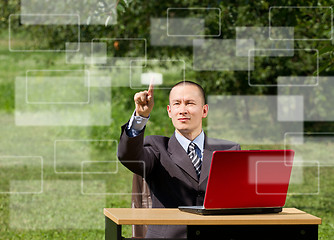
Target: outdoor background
[[69, 71]]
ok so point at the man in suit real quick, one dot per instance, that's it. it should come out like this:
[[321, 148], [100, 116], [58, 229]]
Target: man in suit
[[176, 168]]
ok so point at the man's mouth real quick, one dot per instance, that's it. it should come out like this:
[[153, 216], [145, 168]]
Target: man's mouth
[[183, 119]]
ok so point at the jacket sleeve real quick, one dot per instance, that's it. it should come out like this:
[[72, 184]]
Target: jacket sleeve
[[134, 155]]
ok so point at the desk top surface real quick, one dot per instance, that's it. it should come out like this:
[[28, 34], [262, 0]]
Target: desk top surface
[[172, 216]]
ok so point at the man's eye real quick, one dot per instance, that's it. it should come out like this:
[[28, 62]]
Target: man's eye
[[176, 103]]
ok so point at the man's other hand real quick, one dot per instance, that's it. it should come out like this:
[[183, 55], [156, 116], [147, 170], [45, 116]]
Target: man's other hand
[[144, 102]]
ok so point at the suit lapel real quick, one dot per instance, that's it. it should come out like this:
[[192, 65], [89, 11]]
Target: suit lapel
[[180, 157], [206, 164]]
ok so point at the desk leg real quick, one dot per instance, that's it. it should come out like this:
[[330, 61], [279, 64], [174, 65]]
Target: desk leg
[[112, 230], [259, 232]]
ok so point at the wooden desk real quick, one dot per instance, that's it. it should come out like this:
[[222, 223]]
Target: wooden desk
[[291, 224]]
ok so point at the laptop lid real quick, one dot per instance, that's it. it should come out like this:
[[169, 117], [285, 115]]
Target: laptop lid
[[248, 179]]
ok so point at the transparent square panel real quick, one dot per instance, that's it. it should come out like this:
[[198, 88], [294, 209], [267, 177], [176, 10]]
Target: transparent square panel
[[303, 68], [260, 38], [162, 73], [61, 206], [81, 53], [50, 19], [312, 147], [63, 114], [159, 37], [219, 55], [120, 51], [317, 99], [90, 12], [269, 170], [42, 87], [298, 81], [247, 120], [35, 141], [100, 167], [21, 168], [273, 177], [31, 38], [70, 153], [315, 22], [109, 76], [290, 108], [305, 178], [185, 26], [119, 178], [243, 47], [193, 21]]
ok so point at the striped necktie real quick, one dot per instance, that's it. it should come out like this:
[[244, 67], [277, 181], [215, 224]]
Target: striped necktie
[[195, 159]]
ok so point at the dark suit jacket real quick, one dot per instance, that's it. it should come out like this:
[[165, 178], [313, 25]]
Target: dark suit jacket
[[169, 172]]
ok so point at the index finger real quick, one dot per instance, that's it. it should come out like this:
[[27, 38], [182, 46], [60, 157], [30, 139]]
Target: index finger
[[151, 87]]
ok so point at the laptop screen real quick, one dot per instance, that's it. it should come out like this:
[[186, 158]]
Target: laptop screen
[[248, 179]]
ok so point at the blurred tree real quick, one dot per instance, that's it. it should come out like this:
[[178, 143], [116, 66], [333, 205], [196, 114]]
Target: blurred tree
[[134, 19]]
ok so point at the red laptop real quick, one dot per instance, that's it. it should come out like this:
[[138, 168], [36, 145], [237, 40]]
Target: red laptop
[[246, 181]]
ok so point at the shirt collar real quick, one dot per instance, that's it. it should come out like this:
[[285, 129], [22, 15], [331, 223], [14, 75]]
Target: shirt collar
[[199, 141]]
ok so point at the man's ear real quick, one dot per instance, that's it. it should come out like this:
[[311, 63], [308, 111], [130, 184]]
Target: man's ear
[[169, 111], [205, 110]]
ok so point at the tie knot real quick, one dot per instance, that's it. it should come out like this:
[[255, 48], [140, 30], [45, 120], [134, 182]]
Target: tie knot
[[192, 146]]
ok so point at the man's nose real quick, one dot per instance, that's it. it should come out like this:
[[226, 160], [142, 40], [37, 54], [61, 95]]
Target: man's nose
[[183, 109]]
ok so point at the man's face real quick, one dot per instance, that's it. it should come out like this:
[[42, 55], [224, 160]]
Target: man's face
[[186, 109]]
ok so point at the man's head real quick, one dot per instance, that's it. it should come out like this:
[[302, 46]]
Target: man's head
[[187, 108], [183, 83]]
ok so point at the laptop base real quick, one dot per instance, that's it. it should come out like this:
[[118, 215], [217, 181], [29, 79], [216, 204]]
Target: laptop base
[[229, 211]]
